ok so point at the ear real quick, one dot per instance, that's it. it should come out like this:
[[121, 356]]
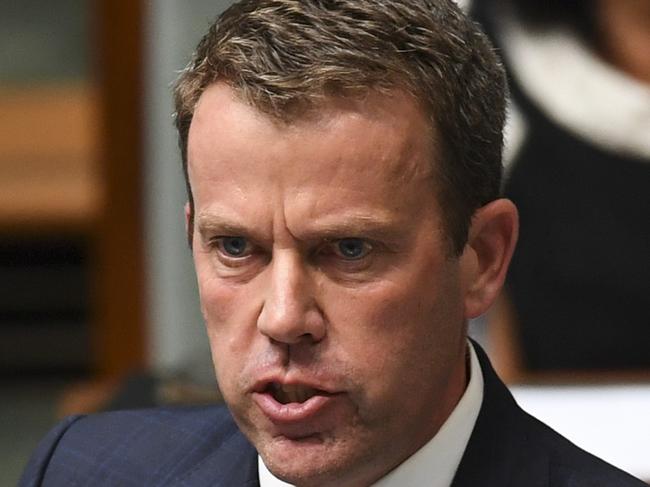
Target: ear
[[189, 223], [484, 263]]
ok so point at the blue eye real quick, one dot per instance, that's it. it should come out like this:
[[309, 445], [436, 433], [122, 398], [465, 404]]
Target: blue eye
[[352, 248], [234, 246]]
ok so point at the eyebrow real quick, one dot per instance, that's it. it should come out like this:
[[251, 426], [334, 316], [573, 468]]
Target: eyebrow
[[211, 225], [380, 227], [371, 225]]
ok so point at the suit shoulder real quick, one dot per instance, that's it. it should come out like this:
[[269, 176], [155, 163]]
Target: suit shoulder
[[164, 420], [40, 458], [139, 447], [571, 466]]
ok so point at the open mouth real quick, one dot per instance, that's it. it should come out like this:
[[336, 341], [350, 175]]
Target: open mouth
[[298, 407], [292, 393]]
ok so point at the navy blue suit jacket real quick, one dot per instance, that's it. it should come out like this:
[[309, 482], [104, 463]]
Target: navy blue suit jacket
[[203, 447]]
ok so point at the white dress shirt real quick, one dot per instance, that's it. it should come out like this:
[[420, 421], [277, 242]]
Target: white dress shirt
[[435, 464]]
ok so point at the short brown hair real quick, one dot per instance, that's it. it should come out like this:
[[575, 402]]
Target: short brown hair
[[286, 56]]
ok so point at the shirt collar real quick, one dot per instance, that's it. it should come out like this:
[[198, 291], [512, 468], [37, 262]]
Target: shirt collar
[[434, 464]]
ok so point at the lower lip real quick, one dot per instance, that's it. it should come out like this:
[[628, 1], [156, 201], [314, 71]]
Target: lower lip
[[292, 412]]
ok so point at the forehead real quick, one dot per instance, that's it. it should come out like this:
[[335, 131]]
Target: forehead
[[367, 152], [221, 113]]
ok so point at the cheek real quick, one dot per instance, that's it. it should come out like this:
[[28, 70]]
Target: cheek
[[383, 313], [230, 320], [220, 299], [390, 330], [218, 302], [369, 326]]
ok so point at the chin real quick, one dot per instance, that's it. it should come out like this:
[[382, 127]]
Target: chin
[[306, 462]]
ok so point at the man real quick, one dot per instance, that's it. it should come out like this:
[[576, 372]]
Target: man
[[343, 169]]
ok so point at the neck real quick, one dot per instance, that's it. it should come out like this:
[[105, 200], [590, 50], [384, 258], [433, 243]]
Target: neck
[[624, 30]]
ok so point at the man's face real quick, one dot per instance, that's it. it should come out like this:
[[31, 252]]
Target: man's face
[[334, 313]]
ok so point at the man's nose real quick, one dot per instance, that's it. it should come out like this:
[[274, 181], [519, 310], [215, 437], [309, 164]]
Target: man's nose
[[290, 313]]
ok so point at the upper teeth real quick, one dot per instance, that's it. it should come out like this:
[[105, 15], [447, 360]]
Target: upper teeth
[[286, 393]]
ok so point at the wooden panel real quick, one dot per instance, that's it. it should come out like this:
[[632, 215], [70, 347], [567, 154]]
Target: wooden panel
[[120, 337], [48, 120], [71, 158], [48, 158]]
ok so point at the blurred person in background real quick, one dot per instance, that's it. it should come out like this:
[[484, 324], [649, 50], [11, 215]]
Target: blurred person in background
[[578, 165]]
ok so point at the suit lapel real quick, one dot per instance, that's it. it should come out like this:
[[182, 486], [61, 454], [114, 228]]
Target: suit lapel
[[496, 455]]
